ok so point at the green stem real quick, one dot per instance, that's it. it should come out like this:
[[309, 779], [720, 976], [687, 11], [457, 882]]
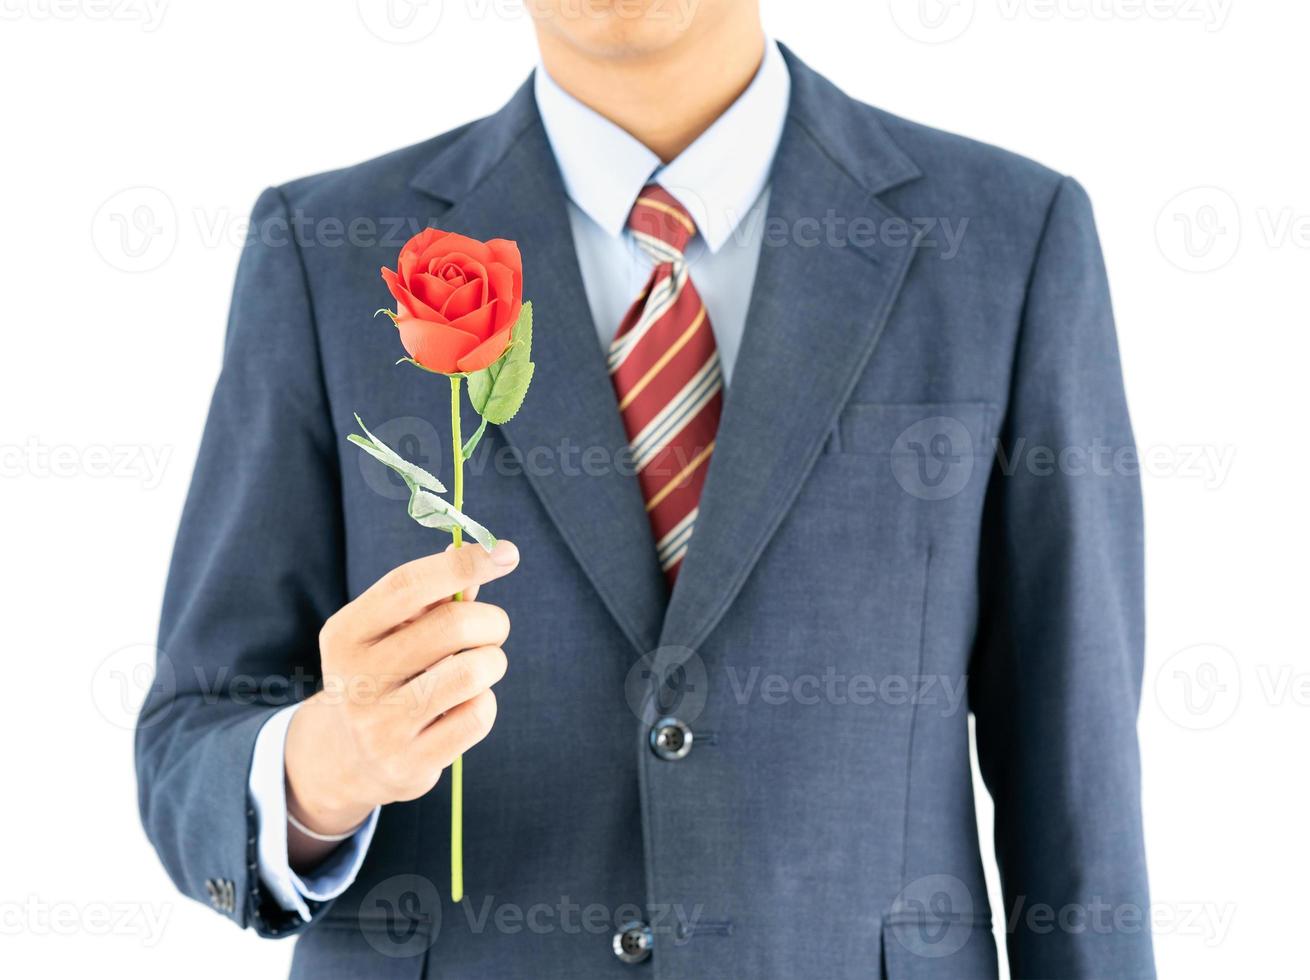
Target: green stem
[[457, 445], [457, 767]]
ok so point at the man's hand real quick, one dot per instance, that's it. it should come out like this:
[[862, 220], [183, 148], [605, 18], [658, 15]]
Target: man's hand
[[407, 676]]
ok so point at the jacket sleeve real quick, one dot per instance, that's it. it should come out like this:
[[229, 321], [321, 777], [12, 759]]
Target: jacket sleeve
[[257, 568], [1057, 672]]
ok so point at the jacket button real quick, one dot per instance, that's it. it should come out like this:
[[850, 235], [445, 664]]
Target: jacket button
[[633, 942], [670, 739]]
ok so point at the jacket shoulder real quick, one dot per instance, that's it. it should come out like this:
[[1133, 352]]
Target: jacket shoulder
[[364, 187], [970, 172]]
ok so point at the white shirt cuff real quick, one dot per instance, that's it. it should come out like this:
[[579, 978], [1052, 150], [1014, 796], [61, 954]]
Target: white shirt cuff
[[268, 795]]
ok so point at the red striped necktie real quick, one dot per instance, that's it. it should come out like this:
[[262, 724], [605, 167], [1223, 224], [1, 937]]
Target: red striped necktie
[[665, 368]]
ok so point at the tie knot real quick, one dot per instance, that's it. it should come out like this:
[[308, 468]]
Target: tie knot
[[661, 224]]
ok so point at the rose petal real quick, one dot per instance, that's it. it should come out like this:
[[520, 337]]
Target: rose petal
[[431, 291], [480, 322], [509, 293], [464, 300], [406, 301], [393, 283], [486, 352], [501, 280], [451, 243], [507, 315], [507, 253], [470, 267], [415, 247], [430, 258], [437, 347]]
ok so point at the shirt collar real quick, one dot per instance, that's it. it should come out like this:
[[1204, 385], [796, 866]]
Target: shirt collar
[[717, 178]]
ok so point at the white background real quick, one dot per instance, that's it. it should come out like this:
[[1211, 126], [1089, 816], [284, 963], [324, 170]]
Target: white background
[[1185, 119]]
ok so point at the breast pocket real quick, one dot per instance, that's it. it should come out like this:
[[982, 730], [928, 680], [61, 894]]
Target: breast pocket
[[929, 450]]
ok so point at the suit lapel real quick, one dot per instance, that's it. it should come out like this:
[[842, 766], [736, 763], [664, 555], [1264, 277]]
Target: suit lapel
[[816, 312], [503, 182], [815, 315]]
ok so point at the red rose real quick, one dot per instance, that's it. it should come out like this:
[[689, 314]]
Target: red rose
[[458, 299]]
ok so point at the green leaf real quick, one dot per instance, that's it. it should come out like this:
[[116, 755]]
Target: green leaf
[[467, 450], [432, 511], [497, 391], [425, 506], [384, 454], [387, 312]]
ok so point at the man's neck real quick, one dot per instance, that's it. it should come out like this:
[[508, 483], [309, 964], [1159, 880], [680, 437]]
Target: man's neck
[[664, 99]]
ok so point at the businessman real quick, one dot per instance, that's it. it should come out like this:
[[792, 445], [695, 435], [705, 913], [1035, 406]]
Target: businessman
[[733, 736]]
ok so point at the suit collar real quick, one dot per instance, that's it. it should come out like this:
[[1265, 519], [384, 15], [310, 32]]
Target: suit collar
[[849, 132], [603, 167], [814, 319], [717, 178], [465, 161]]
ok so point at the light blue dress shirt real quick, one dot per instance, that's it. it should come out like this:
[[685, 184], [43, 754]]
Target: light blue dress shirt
[[722, 179]]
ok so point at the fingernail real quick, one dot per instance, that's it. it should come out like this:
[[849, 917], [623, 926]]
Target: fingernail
[[505, 553]]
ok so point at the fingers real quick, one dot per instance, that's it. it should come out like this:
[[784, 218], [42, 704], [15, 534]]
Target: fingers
[[466, 595], [461, 728], [411, 673], [469, 594], [449, 628], [409, 589], [453, 680]]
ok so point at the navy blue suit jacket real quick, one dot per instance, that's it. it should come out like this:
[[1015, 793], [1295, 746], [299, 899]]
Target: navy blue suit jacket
[[924, 476]]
